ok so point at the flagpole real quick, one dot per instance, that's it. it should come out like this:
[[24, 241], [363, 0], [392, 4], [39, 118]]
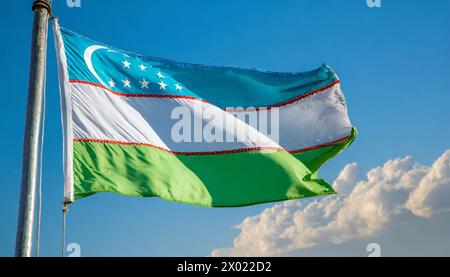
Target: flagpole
[[24, 236]]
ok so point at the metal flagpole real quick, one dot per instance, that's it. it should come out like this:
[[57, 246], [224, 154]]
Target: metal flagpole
[[24, 236], [65, 209]]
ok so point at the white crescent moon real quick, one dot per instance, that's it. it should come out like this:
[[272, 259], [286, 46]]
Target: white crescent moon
[[88, 60]]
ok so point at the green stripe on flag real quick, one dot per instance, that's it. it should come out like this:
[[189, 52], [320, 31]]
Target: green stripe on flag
[[220, 180]]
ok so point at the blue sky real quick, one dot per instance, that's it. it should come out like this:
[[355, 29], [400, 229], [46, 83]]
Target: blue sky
[[393, 63]]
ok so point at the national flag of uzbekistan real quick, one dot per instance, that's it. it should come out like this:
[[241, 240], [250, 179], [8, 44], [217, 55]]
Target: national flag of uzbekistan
[[146, 126]]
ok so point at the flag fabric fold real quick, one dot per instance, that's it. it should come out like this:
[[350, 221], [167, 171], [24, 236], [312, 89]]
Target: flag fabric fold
[[146, 126]]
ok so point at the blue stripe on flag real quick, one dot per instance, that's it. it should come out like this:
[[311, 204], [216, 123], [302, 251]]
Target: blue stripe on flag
[[224, 86]]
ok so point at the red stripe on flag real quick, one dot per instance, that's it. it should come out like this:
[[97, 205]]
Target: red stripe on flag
[[287, 102], [211, 152]]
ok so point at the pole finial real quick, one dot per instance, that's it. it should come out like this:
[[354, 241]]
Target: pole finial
[[37, 4]]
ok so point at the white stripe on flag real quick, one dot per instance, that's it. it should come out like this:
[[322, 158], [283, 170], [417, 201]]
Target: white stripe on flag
[[99, 114]]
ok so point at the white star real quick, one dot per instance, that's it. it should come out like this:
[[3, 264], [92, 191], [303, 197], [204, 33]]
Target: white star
[[142, 67], [162, 85], [126, 64], [160, 75], [178, 87], [126, 83], [144, 83], [111, 83]]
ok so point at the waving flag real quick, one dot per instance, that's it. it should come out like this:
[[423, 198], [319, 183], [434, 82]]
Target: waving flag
[[146, 126]]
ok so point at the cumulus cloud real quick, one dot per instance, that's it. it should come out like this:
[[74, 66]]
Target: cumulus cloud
[[391, 194], [432, 193]]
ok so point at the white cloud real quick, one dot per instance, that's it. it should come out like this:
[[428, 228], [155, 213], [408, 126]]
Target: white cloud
[[346, 180], [432, 193], [395, 193]]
